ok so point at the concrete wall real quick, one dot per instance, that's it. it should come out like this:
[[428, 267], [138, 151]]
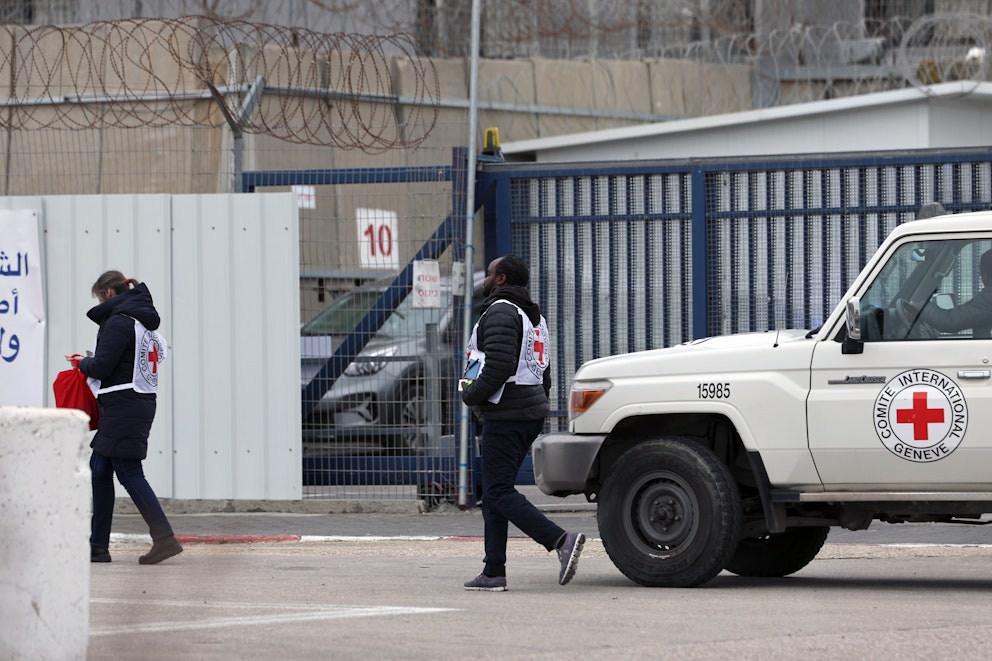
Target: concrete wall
[[133, 146], [138, 146]]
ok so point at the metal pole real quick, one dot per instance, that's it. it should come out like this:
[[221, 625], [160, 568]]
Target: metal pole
[[473, 119]]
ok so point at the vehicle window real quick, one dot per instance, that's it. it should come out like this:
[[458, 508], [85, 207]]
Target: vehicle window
[[341, 316], [886, 288], [344, 314], [408, 320], [930, 290]]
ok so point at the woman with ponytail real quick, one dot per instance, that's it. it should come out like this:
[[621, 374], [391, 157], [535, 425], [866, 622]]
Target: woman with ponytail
[[124, 371]]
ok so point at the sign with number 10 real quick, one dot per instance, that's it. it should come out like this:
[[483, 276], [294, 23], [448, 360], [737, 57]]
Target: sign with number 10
[[377, 239]]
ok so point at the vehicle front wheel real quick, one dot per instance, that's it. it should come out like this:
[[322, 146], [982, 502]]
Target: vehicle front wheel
[[670, 513], [779, 554]]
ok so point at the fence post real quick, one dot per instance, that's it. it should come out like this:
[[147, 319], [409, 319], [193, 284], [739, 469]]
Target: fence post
[[432, 385], [700, 284]]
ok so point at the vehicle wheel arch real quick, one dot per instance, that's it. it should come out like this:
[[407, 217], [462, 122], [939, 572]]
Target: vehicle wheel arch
[[715, 431]]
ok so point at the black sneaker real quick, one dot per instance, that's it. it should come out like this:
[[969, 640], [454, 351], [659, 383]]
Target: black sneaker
[[568, 555], [161, 549], [485, 583], [99, 554]]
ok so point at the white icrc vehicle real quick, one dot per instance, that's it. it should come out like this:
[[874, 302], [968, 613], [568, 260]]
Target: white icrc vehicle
[[741, 452]]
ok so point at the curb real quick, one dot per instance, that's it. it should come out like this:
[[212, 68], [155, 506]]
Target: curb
[[124, 505], [129, 538]]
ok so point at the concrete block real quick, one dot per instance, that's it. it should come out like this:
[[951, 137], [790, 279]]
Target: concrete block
[[507, 82], [692, 89], [566, 84], [623, 86], [412, 79], [44, 533], [668, 87]]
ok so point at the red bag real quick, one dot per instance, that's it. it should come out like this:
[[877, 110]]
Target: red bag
[[72, 392]]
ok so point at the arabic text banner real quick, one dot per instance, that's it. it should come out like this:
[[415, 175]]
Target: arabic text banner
[[22, 310]]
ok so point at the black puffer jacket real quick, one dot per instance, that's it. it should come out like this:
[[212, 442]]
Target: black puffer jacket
[[125, 415], [499, 335]]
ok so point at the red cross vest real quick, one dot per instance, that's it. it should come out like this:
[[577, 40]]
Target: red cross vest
[[534, 353], [150, 349]]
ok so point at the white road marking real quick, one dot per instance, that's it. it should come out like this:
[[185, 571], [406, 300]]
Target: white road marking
[[370, 538], [296, 613]]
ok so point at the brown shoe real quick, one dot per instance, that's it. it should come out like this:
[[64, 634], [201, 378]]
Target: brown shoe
[[161, 549]]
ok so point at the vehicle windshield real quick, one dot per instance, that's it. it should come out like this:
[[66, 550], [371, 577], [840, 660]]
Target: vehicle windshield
[[344, 314], [913, 272]]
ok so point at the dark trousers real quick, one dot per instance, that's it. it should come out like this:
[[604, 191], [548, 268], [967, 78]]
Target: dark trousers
[[132, 478], [505, 444]]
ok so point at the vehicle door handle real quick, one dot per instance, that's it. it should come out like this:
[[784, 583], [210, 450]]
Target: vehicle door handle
[[974, 374]]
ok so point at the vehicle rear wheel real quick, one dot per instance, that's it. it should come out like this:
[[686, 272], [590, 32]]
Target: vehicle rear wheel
[[670, 513], [779, 554]]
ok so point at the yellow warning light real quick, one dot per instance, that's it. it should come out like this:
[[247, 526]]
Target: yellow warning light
[[491, 142]]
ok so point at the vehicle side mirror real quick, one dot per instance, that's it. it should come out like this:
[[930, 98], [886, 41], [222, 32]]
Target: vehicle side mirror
[[853, 342]]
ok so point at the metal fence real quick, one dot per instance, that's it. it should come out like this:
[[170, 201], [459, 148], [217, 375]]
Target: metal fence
[[643, 255], [624, 257]]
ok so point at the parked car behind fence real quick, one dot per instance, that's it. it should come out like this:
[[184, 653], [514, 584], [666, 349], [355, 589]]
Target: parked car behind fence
[[399, 393]]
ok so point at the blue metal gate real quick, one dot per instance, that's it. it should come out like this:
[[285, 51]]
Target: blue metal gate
[[642, 255]]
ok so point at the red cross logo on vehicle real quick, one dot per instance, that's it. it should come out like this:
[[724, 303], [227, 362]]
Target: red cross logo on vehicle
[[920, 416]]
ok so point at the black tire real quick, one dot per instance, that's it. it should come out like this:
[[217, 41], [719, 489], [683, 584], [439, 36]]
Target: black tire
[[669, 513], [411, 417], [433, 494], [776, 555]]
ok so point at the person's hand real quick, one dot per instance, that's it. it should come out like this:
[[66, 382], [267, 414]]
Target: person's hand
[[74, 358]]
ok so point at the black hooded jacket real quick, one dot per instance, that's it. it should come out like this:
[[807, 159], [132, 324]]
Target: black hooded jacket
[[499, 335], [125, 415]]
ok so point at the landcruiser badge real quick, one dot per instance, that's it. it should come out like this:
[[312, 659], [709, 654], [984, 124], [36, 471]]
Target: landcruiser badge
[[921, 415], [856, 380]]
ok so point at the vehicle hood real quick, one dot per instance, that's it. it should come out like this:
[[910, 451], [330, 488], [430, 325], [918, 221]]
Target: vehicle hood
[[725, 353]]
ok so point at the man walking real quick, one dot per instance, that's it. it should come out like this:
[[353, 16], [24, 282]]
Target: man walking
[[507, 386]]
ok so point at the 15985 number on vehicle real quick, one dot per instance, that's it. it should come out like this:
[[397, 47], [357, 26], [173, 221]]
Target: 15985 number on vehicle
[[713, 390]]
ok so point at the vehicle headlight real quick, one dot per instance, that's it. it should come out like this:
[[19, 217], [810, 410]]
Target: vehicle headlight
[[370, 362], [584, 395]]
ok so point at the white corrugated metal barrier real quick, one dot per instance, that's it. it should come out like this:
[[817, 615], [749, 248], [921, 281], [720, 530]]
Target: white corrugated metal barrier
[[224, 273]]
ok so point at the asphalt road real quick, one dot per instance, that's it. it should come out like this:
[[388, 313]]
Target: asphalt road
[[389, 586], [402, 599]]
